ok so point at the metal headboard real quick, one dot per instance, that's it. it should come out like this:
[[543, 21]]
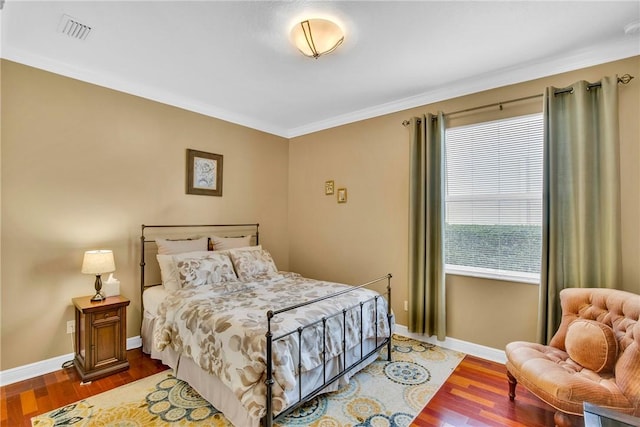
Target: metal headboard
[[144, 240]]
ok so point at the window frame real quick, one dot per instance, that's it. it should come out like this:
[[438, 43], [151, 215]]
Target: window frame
[[490, 273]]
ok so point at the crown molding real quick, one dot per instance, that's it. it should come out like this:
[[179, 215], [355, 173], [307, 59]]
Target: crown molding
[[136, 89], [598, 54], [620, 48]]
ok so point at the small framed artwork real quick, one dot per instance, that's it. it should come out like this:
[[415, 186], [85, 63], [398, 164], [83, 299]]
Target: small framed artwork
[[342, 195], [204, 173], [328, 188]]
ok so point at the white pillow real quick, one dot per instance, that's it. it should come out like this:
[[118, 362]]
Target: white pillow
[[168, 270], [242, 249], [223, 243], [168, 247], [205, 270], [253, 264]]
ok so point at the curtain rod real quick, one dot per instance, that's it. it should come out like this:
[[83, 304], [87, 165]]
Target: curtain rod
[[623, 79]]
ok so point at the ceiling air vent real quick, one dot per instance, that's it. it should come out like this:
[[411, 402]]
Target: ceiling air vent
[[73, 28]]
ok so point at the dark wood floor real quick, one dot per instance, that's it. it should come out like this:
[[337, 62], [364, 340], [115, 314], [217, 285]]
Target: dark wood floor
[[25, 399], [476, 394]]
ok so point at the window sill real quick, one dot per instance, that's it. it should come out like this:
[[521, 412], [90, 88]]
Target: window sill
[[487, 273]]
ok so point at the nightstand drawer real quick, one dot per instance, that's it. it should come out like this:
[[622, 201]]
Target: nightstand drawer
[[107, 316]]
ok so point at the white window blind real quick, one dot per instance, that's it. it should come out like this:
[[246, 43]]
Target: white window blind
[[494, 196]]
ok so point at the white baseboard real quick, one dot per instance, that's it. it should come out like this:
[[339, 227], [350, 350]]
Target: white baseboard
[[50, 365], [477, 350]]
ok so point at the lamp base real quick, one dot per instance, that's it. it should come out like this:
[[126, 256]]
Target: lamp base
[[99, 297]]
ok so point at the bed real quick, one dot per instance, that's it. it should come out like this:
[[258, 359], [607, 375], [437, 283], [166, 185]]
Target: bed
[[254, 341]]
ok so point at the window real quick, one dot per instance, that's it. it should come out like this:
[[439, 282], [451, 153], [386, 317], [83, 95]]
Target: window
[[493, 201]]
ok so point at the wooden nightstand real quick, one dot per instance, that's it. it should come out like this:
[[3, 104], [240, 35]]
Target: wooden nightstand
[[101, 336]]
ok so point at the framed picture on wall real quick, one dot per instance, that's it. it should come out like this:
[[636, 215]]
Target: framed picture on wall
[[342, 195], [328, 187], [204, 173]]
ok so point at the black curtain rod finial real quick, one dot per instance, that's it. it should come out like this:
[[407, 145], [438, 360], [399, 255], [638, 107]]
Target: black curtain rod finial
[[626, 78]]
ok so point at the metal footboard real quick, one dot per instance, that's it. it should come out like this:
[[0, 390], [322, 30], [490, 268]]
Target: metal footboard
[[268, 419]]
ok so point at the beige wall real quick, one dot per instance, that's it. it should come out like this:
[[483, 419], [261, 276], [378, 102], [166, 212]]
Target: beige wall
[[82, 168], [367, 236]]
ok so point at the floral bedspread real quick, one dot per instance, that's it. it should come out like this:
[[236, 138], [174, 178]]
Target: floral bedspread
[[222, 328]]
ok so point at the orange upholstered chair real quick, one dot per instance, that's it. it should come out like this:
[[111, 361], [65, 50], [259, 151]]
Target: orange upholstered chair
[[593, 357]]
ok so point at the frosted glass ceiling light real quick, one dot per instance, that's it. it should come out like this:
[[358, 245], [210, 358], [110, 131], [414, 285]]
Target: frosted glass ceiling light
[[317, 37], [632, 28]]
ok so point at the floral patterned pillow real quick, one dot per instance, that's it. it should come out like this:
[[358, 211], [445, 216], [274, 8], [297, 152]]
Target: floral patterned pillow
[[251, 265], [207, 270]]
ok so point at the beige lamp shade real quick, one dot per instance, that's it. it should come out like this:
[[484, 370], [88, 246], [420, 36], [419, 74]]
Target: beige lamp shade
[[316, 37], [98, 262]]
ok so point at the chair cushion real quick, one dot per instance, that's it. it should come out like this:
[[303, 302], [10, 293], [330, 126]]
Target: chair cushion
[[550, 374], [592, 344]]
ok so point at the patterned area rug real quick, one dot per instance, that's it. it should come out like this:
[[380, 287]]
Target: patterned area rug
[[383, 394]]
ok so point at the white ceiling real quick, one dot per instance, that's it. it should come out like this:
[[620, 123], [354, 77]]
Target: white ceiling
[[233, 60]]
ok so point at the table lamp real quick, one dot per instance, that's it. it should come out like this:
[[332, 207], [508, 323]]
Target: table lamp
[[98, 262]]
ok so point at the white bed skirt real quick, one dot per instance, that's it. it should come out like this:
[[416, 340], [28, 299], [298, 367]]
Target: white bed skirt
[[223, 399]]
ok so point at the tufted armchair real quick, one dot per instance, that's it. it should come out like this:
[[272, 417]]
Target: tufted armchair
[[593, 357]]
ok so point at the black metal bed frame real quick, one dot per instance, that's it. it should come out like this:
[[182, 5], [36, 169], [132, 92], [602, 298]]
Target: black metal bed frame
[[268, 419], [144, 241]]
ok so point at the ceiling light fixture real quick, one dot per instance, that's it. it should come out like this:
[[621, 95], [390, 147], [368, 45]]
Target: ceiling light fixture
[[632, 28], [317, 37]]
